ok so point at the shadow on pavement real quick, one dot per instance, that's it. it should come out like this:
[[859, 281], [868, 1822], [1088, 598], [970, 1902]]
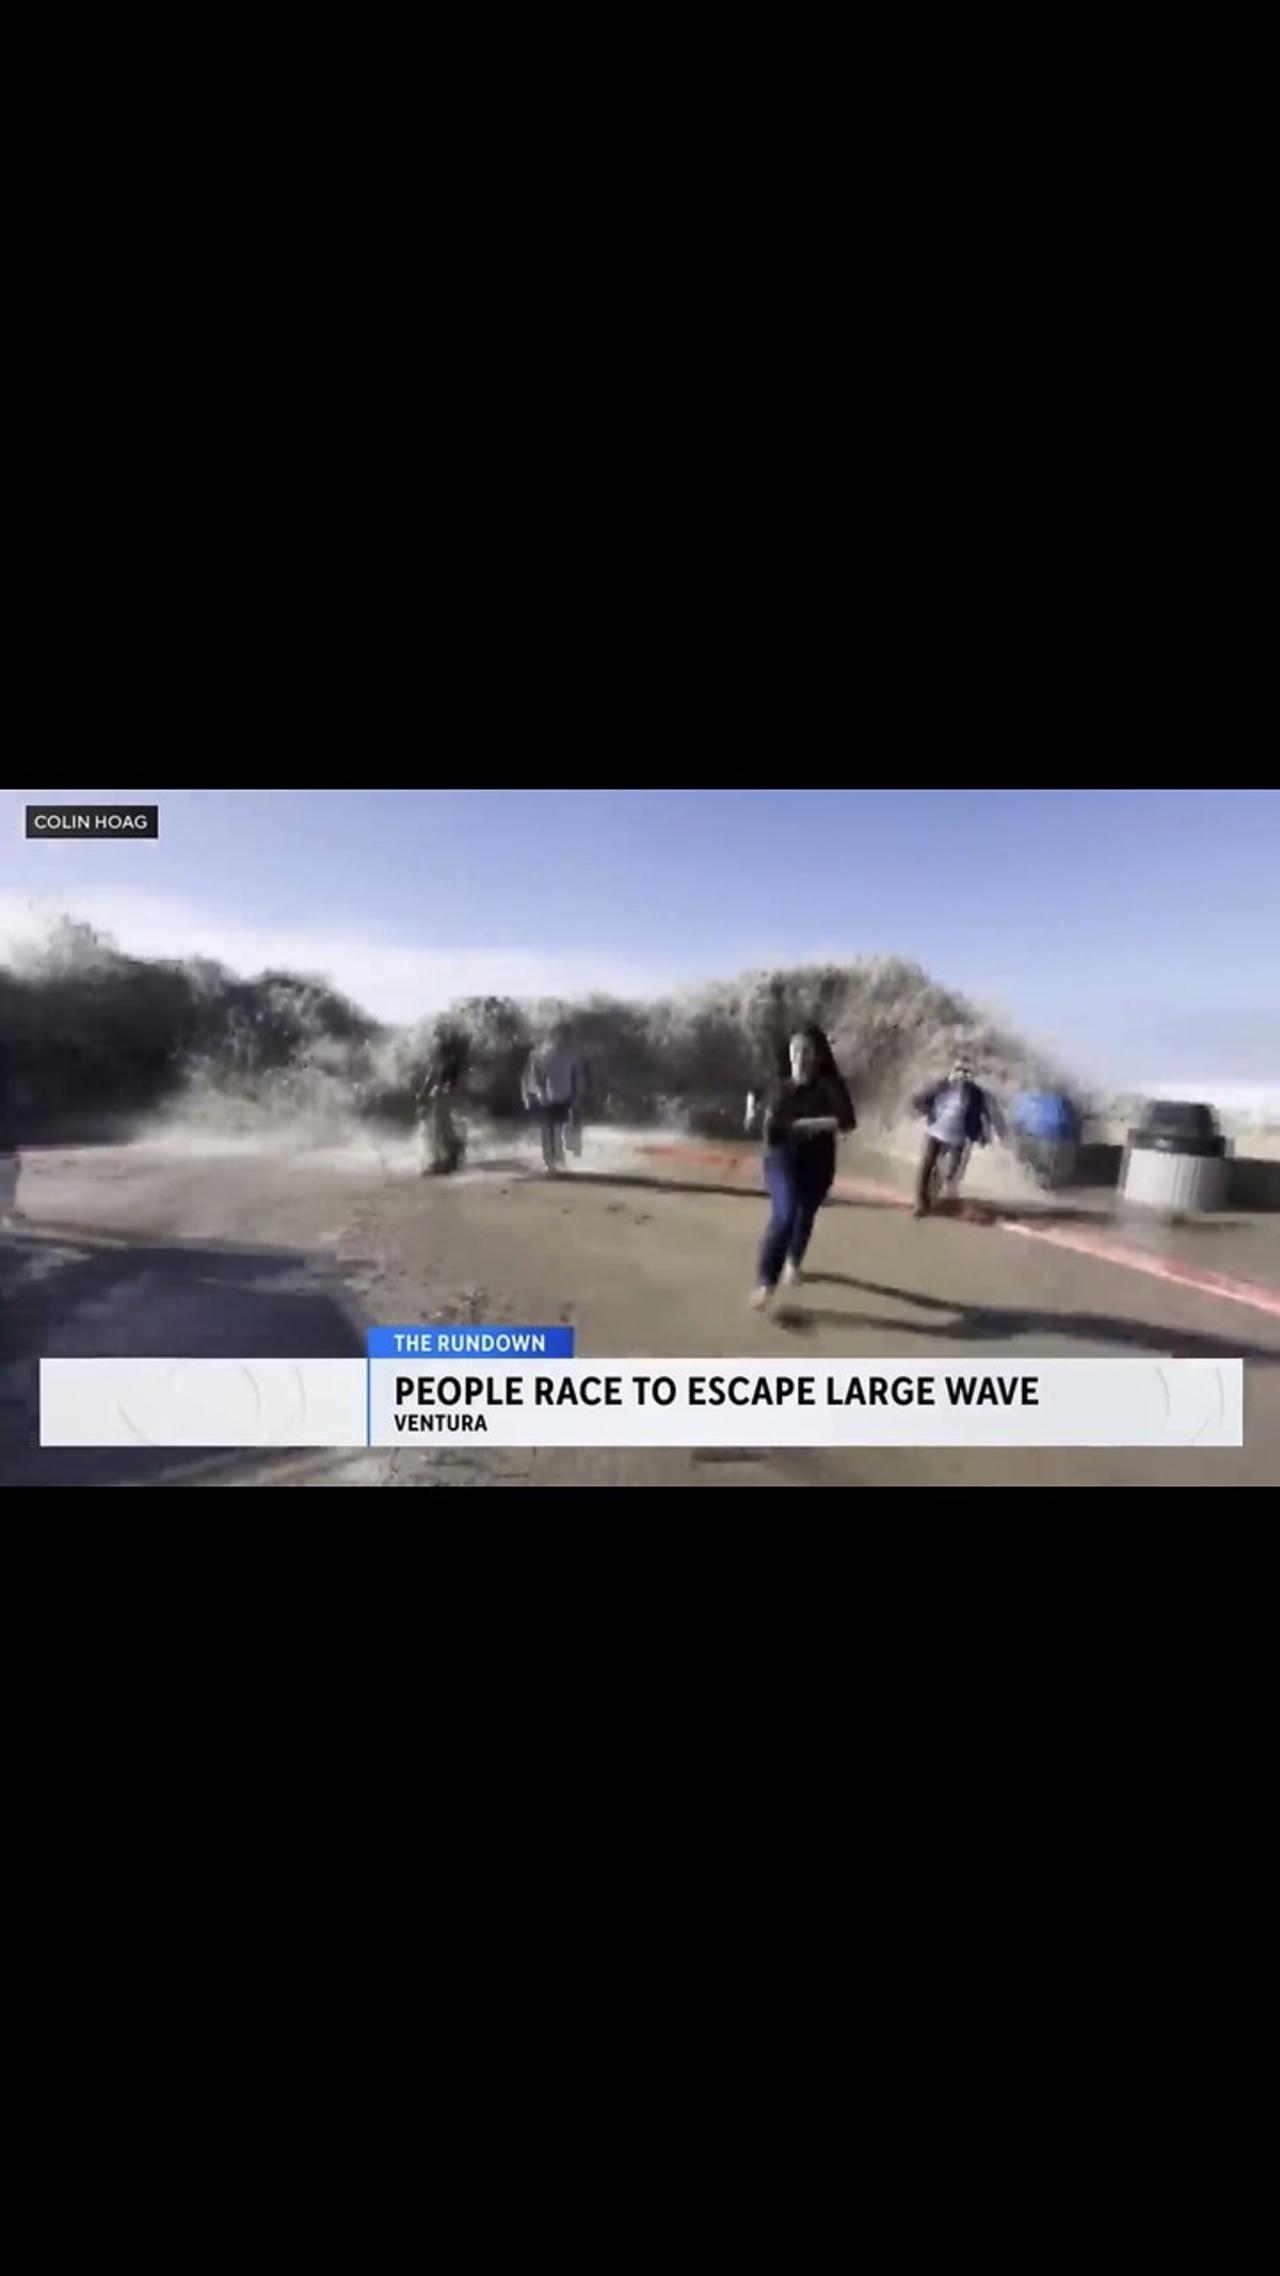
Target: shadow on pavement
[[743, 1191], [979, 1323], [62, 1299]]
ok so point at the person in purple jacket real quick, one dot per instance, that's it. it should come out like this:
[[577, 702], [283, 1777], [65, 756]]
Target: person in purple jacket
[[804, 1112]]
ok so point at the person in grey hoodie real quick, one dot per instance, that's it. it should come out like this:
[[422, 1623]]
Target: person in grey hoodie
[[552, 1092]]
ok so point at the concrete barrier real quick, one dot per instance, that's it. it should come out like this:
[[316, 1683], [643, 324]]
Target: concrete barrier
[[1253, 1183], [1099, 1164]]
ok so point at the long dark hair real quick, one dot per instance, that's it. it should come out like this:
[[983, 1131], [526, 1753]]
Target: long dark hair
[[824, 1058]]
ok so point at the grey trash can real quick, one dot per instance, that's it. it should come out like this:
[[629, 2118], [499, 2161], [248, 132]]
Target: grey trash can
[[1176, 1159]]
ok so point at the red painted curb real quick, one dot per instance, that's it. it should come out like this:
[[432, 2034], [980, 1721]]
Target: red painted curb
[[1174, 1269], [709, 1156], [1083, 1242]]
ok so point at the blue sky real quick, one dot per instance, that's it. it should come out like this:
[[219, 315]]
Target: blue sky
[[1136, 930]]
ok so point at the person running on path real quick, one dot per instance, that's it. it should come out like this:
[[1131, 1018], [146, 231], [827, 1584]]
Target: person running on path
[[804, 1113], [958, 1114], [8, 1137], [442, 1140], [552, 1091]]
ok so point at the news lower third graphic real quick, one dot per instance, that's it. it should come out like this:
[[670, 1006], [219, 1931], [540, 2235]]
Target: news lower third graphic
[[81, 822], [440, 1342], [527, 1387]]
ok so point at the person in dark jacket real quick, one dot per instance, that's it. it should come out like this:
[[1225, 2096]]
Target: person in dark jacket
[[442, 1141], [803, 1112], [958, 1114], [8, 1137]]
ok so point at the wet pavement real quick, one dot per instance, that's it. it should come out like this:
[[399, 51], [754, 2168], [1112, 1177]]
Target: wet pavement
[[126, 1252]]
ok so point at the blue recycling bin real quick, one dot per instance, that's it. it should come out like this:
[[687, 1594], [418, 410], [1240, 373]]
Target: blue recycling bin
[[1046, 1135]]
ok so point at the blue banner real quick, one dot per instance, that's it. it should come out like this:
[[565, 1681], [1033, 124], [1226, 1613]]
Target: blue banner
[[452, 1342]]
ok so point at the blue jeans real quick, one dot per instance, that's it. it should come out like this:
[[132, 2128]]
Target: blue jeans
[[797, 1193]]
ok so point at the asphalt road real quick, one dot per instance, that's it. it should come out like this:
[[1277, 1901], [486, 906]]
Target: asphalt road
[[184, 1254]]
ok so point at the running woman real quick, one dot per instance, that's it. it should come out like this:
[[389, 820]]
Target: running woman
[[803, 1114]]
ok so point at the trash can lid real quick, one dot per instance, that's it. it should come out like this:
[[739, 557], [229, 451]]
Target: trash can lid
[[1179, 1126]]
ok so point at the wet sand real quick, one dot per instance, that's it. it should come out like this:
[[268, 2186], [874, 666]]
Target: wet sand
[[175, 1252]]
